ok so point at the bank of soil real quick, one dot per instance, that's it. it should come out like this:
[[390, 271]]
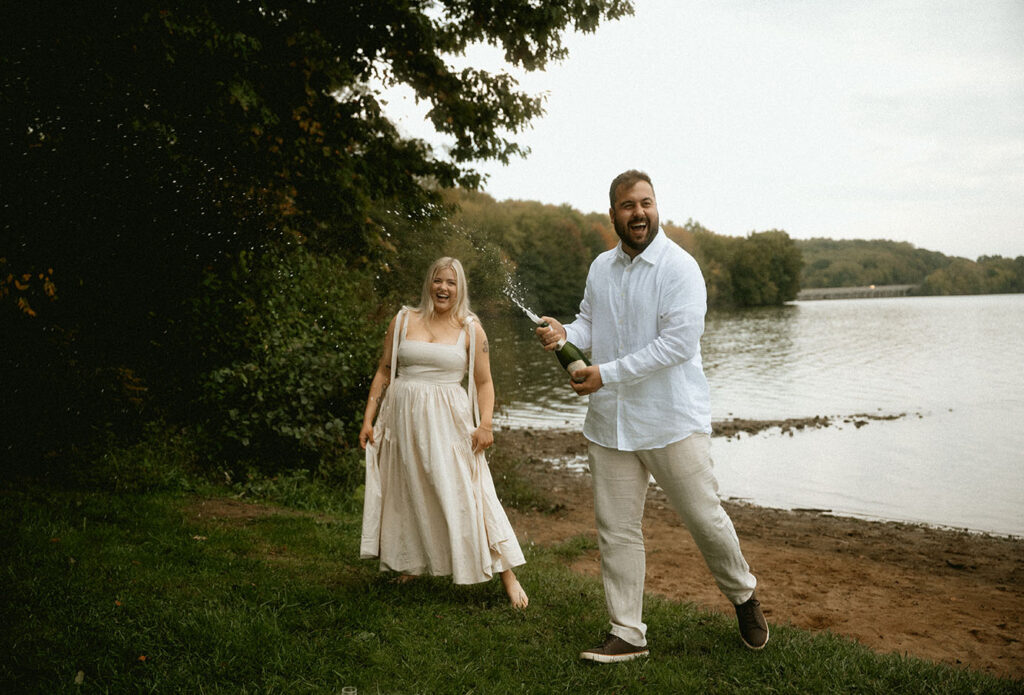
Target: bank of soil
[[943, 595]]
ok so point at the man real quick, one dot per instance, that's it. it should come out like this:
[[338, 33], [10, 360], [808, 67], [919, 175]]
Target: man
[[642, 317]]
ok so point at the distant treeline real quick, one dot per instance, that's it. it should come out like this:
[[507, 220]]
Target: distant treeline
[[858, 262], [550, 248]]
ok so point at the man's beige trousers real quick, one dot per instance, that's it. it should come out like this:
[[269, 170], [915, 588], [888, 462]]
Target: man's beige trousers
[[684, 472]]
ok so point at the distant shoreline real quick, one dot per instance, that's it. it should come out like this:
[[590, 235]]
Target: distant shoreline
[[734, 426], [865, 292]]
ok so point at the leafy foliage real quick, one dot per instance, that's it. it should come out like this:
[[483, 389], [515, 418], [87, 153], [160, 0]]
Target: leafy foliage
[[766, 269], [211, 127], [308, 349], [714, 253], [989, 275], [549, 248], [761, 269], [859, 262], [146, 147]]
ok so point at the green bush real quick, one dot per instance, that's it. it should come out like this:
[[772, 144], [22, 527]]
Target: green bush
[[290, 391]]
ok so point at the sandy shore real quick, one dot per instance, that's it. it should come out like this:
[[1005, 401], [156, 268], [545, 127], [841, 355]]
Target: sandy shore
[[943, 595]]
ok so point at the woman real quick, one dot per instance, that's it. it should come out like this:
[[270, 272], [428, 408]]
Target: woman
[[430, 503]]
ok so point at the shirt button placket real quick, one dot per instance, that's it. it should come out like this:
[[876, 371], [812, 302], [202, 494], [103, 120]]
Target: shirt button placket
[[623, 309]]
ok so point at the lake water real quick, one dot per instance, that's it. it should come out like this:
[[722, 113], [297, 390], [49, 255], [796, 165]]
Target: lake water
[[953, 367]]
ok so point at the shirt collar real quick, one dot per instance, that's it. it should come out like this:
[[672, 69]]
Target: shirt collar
[[650, 255]]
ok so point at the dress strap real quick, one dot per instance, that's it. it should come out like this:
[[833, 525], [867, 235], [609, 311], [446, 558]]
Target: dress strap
[[401, 325], [472, 364]]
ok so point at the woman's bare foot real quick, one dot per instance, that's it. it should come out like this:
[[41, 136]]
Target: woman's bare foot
[[514, 590], [404, 578]]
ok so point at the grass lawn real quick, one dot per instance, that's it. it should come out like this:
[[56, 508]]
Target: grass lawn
[[259, 590]]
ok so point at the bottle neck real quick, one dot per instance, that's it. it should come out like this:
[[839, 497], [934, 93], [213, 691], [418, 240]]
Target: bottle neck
[[561, 341]]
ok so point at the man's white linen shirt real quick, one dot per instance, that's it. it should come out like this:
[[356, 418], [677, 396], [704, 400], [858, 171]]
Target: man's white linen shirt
[[642, 320]]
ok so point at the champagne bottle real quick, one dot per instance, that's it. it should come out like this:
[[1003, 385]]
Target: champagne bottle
[[569, 356]]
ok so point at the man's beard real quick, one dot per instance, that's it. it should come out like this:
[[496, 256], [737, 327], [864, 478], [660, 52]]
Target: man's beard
[[626, 238]]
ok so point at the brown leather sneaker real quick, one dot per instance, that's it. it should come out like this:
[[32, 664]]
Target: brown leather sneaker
[[614, 649], [753, 626]]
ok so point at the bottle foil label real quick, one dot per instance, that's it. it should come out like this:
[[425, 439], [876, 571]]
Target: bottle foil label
[[573, 366]]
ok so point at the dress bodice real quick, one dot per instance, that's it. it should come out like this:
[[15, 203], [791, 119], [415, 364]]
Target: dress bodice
[[436, 362]]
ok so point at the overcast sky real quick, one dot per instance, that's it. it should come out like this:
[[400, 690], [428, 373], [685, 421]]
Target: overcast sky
[[869, 119]]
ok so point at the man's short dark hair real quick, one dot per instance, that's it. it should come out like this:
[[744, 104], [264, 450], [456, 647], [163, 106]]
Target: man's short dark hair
[[628, 179]]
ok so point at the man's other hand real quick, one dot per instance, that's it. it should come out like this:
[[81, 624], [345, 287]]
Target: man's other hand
[[586, 380]]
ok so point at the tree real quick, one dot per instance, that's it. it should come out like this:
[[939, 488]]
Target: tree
[[988, 275], [859, 262], [714, 253], [766, 269], [210, 127], [547, 248], [145, 144]]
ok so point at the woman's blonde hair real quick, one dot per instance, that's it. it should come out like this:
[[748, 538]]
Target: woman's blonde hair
[[461, 308]]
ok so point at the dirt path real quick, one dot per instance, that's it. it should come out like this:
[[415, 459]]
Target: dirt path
[[938, 594]]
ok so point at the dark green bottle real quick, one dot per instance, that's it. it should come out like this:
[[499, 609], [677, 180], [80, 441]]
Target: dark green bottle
[[570, 356]]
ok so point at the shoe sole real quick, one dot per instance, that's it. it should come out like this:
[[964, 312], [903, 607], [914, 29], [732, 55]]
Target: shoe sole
[[748, 645], [613, 658]]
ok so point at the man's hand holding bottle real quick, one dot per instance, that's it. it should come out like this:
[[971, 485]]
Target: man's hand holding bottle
[[585, 378]]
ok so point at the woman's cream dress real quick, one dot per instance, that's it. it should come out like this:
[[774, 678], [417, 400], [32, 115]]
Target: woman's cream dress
[[430, 505]]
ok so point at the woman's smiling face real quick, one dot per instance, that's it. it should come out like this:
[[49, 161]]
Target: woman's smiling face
[[444, 290]]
